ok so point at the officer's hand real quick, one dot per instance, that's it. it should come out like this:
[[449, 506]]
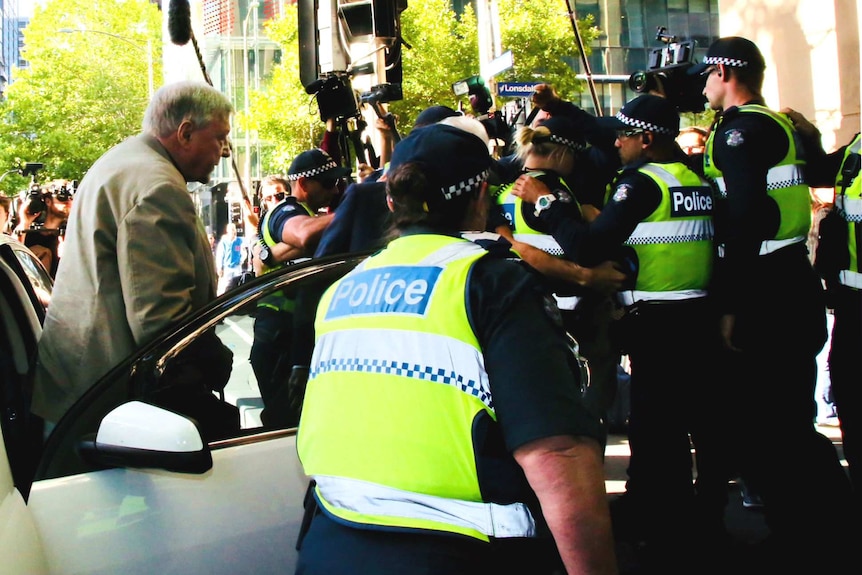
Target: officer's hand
[[529, 189], [726, 325], [606, 278], [544, 95], [801, 123], [590, 212]]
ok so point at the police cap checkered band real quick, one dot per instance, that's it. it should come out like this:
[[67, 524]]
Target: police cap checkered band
[[726, 61], [646, 112], [576, 146], [643, 125], [467, 185], [731, 51], [456, 161], [315, 163], [563, 131]]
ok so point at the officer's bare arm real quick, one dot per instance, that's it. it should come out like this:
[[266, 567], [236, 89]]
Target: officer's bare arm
[[304, 231], [567, 476], [604, 278]]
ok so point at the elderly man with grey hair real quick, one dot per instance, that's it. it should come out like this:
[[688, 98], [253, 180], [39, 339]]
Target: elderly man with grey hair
[[136, 257]]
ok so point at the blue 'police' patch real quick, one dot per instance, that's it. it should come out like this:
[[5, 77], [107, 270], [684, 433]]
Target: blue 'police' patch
[[392, 289], [690, 202], [509, 212]]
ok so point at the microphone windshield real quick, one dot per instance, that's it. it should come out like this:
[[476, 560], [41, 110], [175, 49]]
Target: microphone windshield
[[179, 22]]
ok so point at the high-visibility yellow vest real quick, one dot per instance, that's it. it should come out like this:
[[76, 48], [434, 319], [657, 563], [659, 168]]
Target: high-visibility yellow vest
[[277, 301], [397, 379], [674, 243], [511, 205], [785, 184], [848, 203]]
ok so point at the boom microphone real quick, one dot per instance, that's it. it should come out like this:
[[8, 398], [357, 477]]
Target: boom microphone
[[179, 22]]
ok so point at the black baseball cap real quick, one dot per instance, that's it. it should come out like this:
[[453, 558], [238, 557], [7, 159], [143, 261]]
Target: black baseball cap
[[315, 163], [646, 112], [733, 51]]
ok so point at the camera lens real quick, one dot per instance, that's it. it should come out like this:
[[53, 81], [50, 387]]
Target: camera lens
[[640, 81]]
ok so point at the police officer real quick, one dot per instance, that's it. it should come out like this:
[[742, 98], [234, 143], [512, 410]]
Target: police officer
[[662, 211], [549, 152], [837, 261], [773, 319], [290, 230], [442, 422]]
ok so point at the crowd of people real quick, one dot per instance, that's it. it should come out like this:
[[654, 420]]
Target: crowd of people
[[441, 417]]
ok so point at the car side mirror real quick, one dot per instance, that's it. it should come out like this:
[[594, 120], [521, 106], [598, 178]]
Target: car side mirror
[[141, 435]]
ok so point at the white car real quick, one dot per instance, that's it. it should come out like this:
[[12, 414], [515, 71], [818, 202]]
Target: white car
[[124, 486]]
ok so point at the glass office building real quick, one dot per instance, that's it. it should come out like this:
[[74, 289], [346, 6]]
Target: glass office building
[[628, 38]]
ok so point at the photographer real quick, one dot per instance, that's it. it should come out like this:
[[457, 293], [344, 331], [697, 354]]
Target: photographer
[[42, 221]]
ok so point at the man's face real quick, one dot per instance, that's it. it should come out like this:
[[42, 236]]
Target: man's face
[[204, 149], [4, 218], [58, 207], [714, 88], [319, 192], [629, 142], [270, 193]]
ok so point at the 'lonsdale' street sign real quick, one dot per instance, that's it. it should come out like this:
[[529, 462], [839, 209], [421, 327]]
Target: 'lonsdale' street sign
[[515, 89]]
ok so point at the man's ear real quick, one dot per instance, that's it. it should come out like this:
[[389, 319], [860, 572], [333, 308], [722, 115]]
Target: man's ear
[[184, 132]]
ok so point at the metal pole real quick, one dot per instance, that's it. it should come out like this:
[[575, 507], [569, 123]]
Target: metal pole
[[150, 79], [573, 17]]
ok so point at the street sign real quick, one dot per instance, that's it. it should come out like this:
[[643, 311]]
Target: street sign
[[502, 62], [514, 89]]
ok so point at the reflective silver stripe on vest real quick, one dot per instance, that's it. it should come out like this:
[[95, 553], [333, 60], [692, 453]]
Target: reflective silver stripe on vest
[[770, 246], [629, 297], [850, 279], [849, 208], [777, 177], [543, 242], [418, 355], [672, 232], [567, 302], [492, 519]]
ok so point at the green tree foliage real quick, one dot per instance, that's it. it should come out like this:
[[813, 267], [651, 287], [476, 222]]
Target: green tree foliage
[[543, 44], [285, 117], [444, 50], [84, 91]]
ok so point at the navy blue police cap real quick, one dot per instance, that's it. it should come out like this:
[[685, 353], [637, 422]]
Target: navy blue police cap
[[455, 161], [733, 51], [646, 112]]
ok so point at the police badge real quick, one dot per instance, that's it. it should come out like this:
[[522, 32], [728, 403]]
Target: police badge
[[734, 138], [621, 193]]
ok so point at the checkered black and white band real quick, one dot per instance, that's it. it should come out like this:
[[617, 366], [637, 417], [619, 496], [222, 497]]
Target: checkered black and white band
[[643, 125], [576, 146], [465, 186], [330, 165], [726, 61]]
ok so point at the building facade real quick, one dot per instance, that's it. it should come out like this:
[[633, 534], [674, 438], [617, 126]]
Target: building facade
[[9, 41]]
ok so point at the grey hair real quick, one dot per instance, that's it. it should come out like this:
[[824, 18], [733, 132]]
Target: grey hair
[[174, 103]]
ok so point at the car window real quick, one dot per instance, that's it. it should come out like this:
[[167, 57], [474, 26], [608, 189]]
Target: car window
[[231, 367], [39, 278]]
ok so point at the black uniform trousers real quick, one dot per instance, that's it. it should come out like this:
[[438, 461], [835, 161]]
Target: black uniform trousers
[[673, 348], [780, 330], [845, 372], [332, 548]]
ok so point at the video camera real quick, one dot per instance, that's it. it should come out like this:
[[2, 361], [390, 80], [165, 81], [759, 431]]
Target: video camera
[[667, 74]]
